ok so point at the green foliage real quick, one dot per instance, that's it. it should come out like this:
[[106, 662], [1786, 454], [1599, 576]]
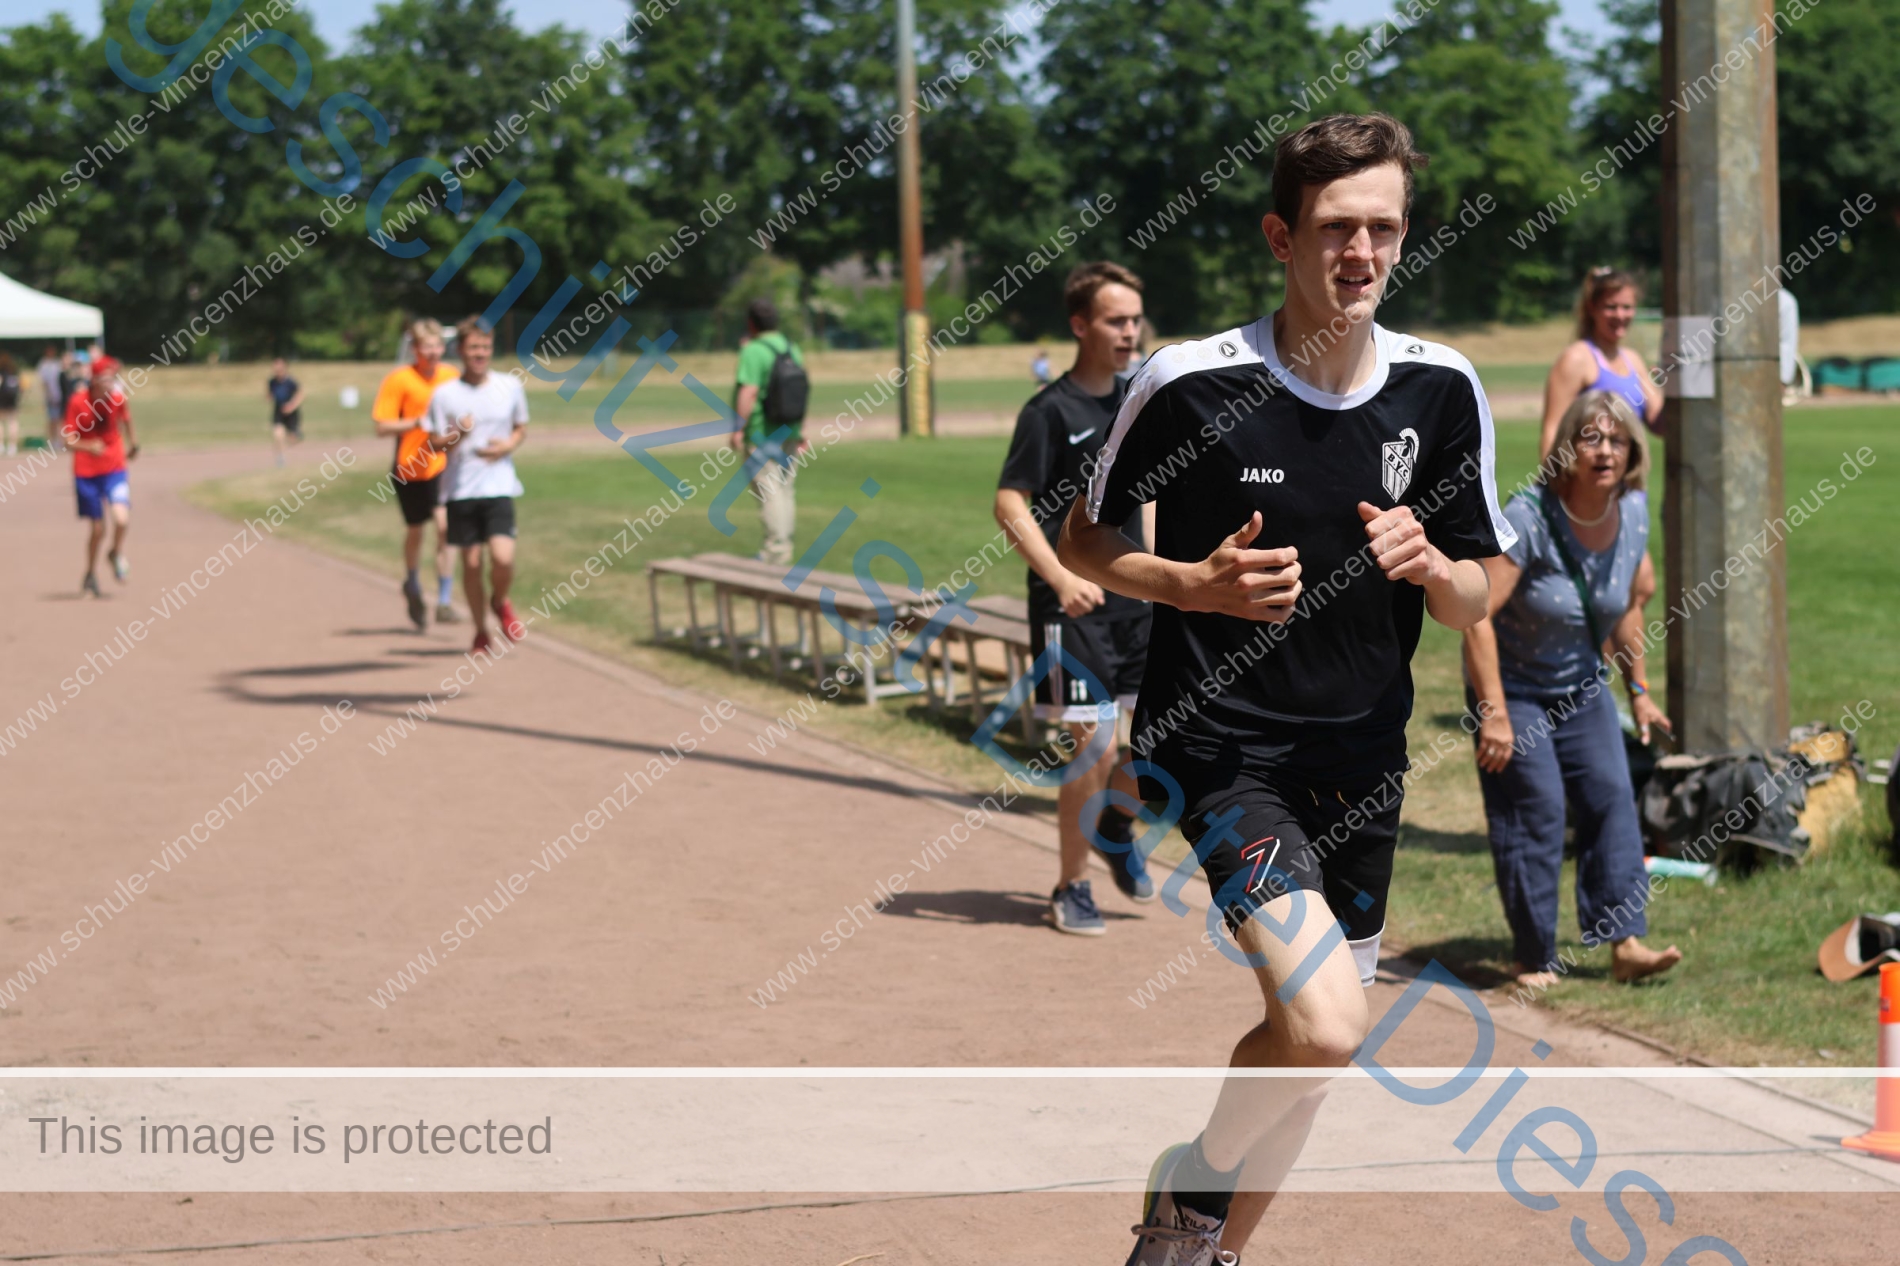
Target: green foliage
[[173, 216], [1838, 102], [1149, 98], [1487, 100], [748, 144], [458, 80], [1621, 223], [786, 110]]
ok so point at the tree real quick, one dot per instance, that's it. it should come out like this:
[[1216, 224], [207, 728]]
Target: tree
[[1620, 224], [155, 218], [461, 84], [1488, 101], [1838, 102], [1169, 107], [786, 111]]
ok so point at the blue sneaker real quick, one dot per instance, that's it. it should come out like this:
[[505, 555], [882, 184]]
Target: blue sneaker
[[1170, 1234], [1129, 872], [1072, 909]]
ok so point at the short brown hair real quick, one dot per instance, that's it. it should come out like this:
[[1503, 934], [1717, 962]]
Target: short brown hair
[[424, 327], [1597, 283], [1336, 146], [1078, 292], [473, 326]]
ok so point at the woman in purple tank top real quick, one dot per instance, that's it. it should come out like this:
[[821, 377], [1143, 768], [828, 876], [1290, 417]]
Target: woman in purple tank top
[[1600, 360]]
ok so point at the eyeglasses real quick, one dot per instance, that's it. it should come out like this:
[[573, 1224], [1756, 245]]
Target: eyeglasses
[[1597, 439]]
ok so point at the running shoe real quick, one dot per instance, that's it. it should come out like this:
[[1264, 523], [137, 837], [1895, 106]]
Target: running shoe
[[1171, 1234], [90, 585], [482, 645], [418, 610], [447, 614], [1127, 868], [1072, 909], [121, 567], [511, 627]]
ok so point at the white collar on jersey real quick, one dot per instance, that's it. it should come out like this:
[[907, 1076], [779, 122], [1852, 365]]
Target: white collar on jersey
[[1261, 335]]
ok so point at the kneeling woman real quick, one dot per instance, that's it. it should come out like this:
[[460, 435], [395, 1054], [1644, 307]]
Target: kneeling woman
[[1536, 678]]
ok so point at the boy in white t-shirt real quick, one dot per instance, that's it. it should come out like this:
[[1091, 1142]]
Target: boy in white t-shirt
[[479, 420]]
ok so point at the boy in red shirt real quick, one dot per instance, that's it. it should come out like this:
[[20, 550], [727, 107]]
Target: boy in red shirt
[[98, 430]]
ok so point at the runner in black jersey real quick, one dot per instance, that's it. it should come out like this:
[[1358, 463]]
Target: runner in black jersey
[[1058, 440], [1322, 484]]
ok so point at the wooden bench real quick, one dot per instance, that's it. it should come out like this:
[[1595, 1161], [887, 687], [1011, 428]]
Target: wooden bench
[[734, 579], [1002, 620]]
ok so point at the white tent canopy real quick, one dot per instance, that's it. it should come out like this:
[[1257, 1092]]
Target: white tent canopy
[[27, 313]]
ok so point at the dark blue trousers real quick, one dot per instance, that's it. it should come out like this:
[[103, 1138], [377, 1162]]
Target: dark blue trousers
[[1567, 751]]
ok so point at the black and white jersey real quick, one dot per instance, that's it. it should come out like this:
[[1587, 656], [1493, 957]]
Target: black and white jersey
[[1217, 429], [1052, 455]]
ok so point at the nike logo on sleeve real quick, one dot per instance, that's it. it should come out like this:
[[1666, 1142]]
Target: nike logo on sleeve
[[1077, 439]]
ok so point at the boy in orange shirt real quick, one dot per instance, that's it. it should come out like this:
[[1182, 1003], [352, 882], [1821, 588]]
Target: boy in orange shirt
[[401, 404]]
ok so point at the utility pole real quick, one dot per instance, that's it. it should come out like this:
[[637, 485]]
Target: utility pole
[[915, 416], [1728, 644]]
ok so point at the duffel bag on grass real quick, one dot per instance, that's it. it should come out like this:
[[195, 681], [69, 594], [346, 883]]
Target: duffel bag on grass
[[1736, 809]]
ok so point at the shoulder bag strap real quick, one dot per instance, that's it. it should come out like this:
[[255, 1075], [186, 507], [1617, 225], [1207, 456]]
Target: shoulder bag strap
[[1547, 502]]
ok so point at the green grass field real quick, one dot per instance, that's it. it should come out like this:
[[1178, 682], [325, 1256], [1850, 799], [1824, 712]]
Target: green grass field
[[190, 418], [1747, 990], [187, 420]]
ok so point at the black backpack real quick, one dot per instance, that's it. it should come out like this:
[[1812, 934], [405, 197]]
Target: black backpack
[[787, 391]]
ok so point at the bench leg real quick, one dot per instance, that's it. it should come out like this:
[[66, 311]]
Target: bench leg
[[870, 670], [976, 684], [769, 618], [692, 612], [728, 626], [653, 599], [1028, 709]]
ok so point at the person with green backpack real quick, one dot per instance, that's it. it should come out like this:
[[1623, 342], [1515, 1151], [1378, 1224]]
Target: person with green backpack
[[1548, 735], [773, 392]]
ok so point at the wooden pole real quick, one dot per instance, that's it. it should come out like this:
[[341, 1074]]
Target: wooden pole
[[1726, 567], [915, 416]]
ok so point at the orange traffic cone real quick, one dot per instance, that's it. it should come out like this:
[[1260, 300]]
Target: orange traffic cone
[[1884, 1139]]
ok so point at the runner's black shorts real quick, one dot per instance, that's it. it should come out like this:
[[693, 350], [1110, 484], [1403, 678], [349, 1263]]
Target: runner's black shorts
[[1113, 651], [480, 519], [1261, 833], [291, 422], [418, 498]]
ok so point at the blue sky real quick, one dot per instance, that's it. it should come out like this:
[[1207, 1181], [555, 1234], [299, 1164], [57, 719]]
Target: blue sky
[[337, 18]]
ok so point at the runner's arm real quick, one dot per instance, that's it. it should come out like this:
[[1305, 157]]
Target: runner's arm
[[497, 449], [1077, 595], [386, 412], [1456, 591], [1253, 584]]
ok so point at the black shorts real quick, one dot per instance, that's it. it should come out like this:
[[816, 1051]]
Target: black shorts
[[291, 422], [418, 498], [480, 519], [1114, 652], [1262, 833]]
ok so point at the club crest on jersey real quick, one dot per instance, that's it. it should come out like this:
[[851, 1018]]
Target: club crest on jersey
[[1397, 458]]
